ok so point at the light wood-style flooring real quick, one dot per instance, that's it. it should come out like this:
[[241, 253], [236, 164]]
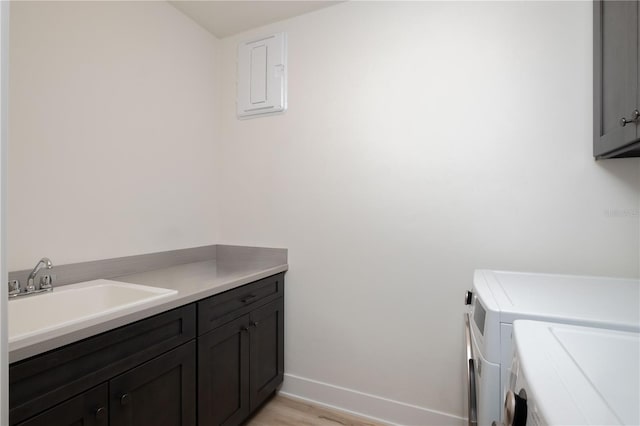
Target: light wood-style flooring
[[281, 411]]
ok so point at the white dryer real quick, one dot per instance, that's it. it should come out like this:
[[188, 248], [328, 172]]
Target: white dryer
[[499, 298], [569, 375]]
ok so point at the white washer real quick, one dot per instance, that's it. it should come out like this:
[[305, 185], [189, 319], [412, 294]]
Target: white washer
[[498, 298], [570, 375]]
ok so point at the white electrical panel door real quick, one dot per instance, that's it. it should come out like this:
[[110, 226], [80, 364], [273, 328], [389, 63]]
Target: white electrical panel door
[[262, 76]]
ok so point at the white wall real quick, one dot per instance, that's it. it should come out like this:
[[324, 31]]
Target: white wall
[[422, 140], [113, 126]]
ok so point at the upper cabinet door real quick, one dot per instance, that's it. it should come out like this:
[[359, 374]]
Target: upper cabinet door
[[615, 77]]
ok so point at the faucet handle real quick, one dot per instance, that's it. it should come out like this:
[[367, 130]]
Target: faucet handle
[[14, 288], [46, 282]]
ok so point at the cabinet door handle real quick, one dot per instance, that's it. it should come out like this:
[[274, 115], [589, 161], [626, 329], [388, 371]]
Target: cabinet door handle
[[125, 399], [636, 119], [244, 328], [254, 323], [248, 298], [100, 413]]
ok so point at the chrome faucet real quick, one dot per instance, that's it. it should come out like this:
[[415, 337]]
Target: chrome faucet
[[45, 283]]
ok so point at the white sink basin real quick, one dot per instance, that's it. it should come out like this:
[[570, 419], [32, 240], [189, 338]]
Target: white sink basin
[[70, 305]]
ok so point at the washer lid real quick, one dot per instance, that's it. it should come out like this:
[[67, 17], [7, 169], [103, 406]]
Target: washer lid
[[580, 375], [592, 301]]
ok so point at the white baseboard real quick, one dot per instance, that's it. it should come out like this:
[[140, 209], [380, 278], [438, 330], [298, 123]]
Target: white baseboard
[[365, 405]]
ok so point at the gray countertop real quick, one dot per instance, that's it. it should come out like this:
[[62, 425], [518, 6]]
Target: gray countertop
[[192, 281]]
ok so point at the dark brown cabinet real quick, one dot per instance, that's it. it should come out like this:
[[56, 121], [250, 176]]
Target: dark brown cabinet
[[223, 374], [161, 392], [87, 409], [155, 372], [616, 79], [267, 351], [241, 363]]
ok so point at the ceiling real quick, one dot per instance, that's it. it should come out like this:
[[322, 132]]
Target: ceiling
[[225, 18]]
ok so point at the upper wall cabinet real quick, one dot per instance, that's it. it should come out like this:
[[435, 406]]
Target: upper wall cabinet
[[616, 95]]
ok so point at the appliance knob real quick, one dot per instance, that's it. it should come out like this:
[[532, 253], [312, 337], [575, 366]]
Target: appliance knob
[[515, 409], [468, 297]]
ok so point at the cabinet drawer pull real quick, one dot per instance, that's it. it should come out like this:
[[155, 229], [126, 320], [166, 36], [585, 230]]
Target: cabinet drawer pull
[[244, 328], [125, 399], [248, 298], [635, 119], [254, 323], [100, 413]]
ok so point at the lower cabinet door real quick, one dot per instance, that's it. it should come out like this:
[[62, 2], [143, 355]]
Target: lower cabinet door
[[160, 392], [86, 409], [223, 374], [267, 351]]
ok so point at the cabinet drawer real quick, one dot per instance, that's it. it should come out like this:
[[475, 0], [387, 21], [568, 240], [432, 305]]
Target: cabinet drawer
[[226, 306], [86, 409], [42, 381]]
